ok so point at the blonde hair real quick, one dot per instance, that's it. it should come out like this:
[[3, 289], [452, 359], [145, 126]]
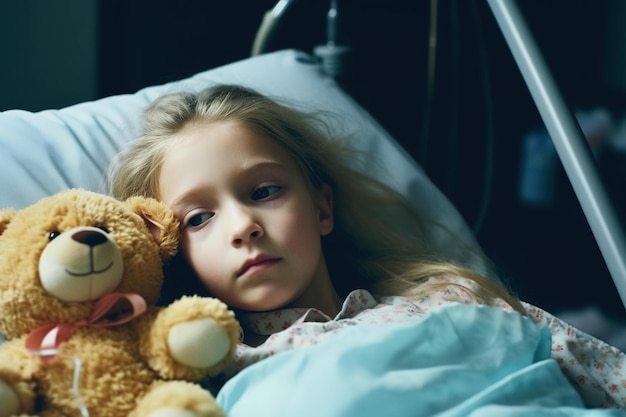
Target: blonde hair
[[363, 251]]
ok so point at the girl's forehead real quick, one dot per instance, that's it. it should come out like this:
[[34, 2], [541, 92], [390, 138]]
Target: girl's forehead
[[219, 155], [223, 146], [228, 137]]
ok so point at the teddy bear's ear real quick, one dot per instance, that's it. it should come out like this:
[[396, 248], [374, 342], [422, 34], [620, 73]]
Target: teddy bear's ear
[[160, 221], [6, 215]]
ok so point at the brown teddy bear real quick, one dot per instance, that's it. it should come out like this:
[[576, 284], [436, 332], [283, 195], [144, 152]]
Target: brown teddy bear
[[80, 275]]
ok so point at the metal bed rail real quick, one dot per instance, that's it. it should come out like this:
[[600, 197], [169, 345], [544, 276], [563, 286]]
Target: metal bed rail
[[571, 146]]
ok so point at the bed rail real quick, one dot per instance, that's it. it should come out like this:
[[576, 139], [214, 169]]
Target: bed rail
[[568, 139]]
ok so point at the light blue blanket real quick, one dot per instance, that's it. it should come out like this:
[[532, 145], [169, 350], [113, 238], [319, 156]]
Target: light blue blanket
[[460, 360]]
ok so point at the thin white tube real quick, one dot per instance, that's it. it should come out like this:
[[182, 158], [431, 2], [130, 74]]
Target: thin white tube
[[268, 25]]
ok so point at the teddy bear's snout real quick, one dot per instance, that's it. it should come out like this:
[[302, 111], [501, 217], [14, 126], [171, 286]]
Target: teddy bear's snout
[[90, 237], [81, 264]]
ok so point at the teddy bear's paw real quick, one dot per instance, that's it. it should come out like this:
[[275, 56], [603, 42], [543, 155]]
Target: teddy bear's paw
[[198, 343], [9, 402], [177, 399]]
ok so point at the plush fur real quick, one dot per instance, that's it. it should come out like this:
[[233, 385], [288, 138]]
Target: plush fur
[[60, 259]]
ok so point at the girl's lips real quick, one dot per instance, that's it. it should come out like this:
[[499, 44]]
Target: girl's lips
[[257, 263]]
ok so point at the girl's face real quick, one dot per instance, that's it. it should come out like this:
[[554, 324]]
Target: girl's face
[[250, 221]]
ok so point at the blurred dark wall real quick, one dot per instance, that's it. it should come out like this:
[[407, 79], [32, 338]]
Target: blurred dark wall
[[48, 53]]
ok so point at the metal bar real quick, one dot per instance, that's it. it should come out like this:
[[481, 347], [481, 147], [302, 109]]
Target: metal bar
[[568, 139]]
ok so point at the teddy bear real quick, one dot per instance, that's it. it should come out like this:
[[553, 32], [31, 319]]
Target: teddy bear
[[80, 277]]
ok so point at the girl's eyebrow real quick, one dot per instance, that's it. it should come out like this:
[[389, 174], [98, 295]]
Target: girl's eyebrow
[[253, 169], [262, 165], [262, 168], [189, 195]]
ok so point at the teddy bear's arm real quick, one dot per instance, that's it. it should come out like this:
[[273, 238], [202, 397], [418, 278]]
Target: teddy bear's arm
[[189, 339], [17, 383]]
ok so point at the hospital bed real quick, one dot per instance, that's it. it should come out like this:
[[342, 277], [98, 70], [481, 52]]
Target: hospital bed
[[45, 152]]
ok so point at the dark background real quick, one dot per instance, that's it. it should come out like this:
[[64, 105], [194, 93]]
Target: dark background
[[478, 94]]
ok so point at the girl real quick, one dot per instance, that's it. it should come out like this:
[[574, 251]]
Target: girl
[[275, 222]]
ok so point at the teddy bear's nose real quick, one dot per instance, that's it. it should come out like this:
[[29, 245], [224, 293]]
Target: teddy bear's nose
[[89, 237]]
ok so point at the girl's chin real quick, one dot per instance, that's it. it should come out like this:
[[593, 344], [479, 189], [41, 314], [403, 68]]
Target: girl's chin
[[265, 304]]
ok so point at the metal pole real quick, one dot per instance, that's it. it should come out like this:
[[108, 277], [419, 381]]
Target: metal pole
[[568, 139]]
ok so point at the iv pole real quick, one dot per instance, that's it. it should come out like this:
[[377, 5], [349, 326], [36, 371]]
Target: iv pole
[[568, 139]]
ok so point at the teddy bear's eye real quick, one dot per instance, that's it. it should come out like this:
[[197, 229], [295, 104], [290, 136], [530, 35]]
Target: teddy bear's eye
[[53, 235]]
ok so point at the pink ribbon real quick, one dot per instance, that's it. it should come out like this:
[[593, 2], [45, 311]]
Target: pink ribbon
[[51, 336]]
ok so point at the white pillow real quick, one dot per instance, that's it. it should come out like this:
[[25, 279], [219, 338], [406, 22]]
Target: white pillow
[[49, 151]]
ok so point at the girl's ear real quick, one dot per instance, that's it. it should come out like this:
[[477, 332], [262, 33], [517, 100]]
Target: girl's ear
[[324, 203], [160, 221]]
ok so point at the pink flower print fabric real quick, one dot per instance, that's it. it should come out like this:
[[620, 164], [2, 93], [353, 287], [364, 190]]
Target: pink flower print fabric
[[595, 368], [299, 328]]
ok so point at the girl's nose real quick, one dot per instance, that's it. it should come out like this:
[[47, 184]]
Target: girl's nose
[[245, 228]]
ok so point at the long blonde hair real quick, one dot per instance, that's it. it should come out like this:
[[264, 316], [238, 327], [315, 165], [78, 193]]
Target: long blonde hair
[[364, 250]]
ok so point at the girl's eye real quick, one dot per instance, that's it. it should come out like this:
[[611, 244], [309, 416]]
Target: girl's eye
[[262, 193], [199, 219]]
